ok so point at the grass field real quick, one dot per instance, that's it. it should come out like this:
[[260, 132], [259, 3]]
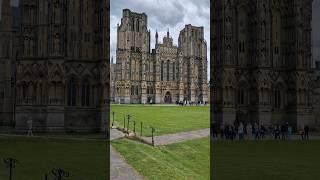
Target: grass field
[[188, 160], [265, 160], [37, 156], [165, 119]]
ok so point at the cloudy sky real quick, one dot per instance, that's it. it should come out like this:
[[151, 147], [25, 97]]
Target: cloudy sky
[[163, 14]]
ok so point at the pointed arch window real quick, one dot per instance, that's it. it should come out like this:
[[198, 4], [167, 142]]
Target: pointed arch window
[[277, 98], [241, 96], [173, 71], [85, 98], [162, 70], [132, 25], [72, 92], [168, 70]]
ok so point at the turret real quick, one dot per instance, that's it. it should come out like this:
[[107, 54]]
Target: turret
[[157, 37]]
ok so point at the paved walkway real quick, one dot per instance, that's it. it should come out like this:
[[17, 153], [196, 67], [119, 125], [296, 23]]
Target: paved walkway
[[116, 134], [178, 137], [120, 169]]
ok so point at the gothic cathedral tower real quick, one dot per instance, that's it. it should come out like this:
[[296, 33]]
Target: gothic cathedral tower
[[261, 62]]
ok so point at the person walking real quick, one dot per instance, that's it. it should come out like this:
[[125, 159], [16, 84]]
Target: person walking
[[289, 132], [256, 131], [240, 131], [29, 124], [306, 132], [249, 130]]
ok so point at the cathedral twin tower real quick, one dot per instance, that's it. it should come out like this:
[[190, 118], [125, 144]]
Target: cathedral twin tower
[[166, 74]]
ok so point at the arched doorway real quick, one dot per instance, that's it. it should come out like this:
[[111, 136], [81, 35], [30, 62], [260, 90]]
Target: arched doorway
[[167, 98]]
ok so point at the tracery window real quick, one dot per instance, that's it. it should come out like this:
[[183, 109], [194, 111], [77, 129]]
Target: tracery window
[[173, 71], [168, 70], [72, 92], [161, 70], [85, 93]]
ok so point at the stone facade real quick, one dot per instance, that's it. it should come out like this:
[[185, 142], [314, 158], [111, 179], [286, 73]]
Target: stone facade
[[261, 62], [166, 74], [59, 68]]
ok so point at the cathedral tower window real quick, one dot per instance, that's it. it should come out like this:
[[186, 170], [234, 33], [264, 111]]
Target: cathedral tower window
[[161, 70], [241, 96], [132, 90], [173, 71], [132, 24], [168, 70], [277, 99], [138, 26], [72, 92], [85, 98]]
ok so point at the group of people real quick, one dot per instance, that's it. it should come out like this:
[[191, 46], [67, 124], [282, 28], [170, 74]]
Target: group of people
[[191, 103], [248, 131]]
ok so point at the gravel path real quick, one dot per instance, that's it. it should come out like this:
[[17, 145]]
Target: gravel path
[[178, 137], [120, 169]]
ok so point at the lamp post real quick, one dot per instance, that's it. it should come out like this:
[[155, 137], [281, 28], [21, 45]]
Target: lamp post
[[11, 164], [152, 138], [128, 123], [60, 174], [112, 118]]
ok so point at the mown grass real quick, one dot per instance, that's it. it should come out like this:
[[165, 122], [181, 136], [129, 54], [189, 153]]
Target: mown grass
[[187, 160], [165, 119], [265, 160], [84, 159]]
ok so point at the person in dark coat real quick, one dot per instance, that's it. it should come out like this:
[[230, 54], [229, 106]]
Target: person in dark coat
[[306, 132]]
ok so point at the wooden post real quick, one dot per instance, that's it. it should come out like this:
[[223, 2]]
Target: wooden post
[[141, 129], [128, 124], [112, 118], [134, 127], [152, 130], [124, 122]]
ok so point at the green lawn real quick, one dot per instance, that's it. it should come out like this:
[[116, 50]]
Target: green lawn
[[83, 159], [165, 119], [188, 160], [280, 160]]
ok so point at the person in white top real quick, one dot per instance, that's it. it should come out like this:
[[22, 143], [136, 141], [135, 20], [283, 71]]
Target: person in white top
[[240, 131], [29, 124], [249, 130]]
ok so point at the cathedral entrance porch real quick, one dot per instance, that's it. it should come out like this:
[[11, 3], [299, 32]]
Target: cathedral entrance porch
[[168, 98]]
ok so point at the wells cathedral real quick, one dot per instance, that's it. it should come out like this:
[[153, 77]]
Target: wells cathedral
[[262, 62], [165, 74], [54, 65]]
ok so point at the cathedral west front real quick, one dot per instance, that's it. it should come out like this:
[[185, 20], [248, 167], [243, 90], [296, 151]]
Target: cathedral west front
[[262, 62], [166, 74]]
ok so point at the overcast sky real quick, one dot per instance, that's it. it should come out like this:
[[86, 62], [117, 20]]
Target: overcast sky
[[163, 14]]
